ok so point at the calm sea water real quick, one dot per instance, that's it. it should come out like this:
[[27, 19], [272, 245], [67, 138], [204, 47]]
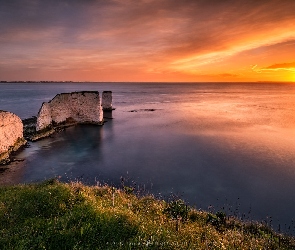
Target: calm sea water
[[217, 145]]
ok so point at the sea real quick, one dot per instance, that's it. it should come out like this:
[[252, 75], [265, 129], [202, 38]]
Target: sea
[[218, 146]]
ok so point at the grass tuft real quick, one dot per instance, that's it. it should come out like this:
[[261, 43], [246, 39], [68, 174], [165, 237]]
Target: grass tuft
[[54, 215]]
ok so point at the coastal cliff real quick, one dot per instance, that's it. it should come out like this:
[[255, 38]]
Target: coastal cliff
[[70, 108], [63, 110], [11, 135]]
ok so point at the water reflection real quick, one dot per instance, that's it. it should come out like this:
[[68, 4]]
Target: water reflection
[[68, 154]]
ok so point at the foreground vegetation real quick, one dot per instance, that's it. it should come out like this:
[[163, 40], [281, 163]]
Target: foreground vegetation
[[55, 215]]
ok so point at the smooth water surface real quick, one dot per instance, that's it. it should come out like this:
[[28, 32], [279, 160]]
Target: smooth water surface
[[216, 145]]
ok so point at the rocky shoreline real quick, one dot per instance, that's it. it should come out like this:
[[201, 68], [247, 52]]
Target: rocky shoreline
[[31, 134], [64, 110]]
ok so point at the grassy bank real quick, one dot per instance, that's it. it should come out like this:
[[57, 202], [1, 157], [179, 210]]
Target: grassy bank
[[54, 215]]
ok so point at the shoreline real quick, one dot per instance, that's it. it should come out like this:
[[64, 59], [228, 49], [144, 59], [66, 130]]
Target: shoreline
[[11, 173]]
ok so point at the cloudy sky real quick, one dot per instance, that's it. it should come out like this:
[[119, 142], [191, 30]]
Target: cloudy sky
[[147, 40]]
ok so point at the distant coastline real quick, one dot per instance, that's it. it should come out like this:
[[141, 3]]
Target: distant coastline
[[36, 81], [153, 82]]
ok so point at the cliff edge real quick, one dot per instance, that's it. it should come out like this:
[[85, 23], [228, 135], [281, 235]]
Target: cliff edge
[[11, 135]]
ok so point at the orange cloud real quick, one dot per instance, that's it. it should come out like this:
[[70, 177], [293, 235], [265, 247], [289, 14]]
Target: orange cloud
[[282, 66], [228, 75], [150, 40]]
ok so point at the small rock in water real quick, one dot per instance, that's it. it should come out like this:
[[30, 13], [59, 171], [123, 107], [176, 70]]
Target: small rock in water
[[145, 110]]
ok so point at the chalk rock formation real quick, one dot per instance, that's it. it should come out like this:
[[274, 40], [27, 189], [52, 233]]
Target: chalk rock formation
[[107, 101], [11, 135], [75, 107]]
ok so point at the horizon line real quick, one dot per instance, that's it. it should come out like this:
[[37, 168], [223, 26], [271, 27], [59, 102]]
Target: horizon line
[[70, 81]]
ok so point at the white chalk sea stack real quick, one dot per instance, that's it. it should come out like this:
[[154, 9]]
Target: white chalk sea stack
[[79, 107], [107, 100]]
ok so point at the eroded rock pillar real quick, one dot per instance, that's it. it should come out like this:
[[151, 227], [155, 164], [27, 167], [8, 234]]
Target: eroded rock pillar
[[107, 100]]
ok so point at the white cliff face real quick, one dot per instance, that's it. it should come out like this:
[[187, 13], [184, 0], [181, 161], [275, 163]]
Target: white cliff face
[[11, 133], [107, 100], [80, 107], [44, 116]]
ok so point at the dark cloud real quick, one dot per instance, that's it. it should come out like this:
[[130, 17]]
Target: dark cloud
[[193, 23], [71, 16], [42, 13]]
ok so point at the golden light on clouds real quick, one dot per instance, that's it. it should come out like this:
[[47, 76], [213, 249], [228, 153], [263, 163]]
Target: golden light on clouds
[[155, 40]]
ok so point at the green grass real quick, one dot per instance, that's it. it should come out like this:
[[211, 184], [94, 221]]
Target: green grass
[[54, 215]]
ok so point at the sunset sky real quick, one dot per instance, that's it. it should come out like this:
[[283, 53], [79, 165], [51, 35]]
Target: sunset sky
[[147, 40]]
